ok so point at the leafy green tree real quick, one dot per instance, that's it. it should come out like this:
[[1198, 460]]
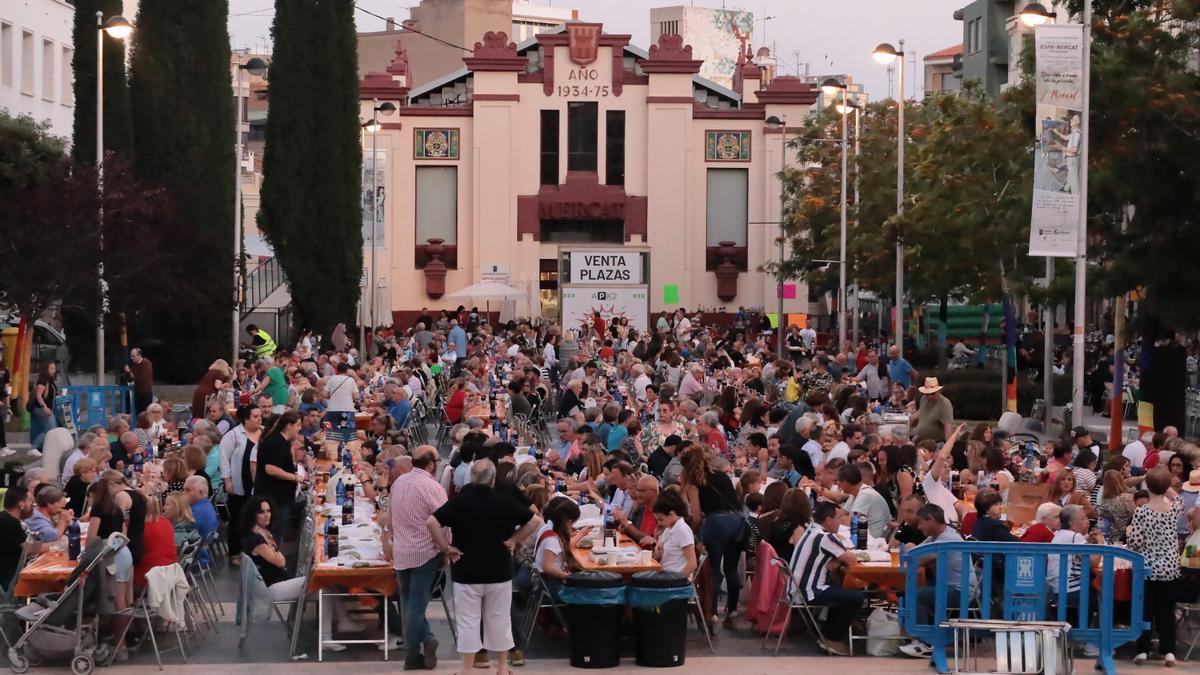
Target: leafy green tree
[[118, 128], [1145, 152], [180, 79], [50, 253], [311, 196], [967, 188]]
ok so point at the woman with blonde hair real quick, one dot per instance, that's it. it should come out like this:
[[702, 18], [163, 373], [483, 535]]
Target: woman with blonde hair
[[178, 510], [159, 546]]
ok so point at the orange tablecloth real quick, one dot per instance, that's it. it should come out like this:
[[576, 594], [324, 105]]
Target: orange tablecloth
[[48, 573], [883, 575], [585, 563]]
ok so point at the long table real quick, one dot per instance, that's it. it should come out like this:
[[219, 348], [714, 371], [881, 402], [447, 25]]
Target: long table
[[584, 561]]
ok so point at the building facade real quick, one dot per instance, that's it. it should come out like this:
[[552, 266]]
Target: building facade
[[529, 19], [994, 40], [577, 142], [36, 49], [717, 36], [943, 71], [435, 28]]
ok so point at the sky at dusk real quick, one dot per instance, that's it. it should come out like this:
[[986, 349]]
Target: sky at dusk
[[831, 36]]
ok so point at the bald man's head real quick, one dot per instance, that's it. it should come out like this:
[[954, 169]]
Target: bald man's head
[[425, 457]]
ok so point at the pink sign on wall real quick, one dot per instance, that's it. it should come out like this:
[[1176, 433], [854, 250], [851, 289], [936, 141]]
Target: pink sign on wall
[[788, 291]]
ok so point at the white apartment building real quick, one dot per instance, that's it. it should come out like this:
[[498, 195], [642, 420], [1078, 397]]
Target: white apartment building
[[529, 19], [36, 48]]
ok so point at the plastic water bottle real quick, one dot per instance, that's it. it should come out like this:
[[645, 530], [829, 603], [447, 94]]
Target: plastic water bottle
[[1106, 529], [341, 492], [1030, 457], [331, 539], [137, 462], [73, 540], [854, 518]]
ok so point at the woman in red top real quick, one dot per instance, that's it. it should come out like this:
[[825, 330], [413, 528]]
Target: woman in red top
[[456, 402], [1045, 523], [158, 543]]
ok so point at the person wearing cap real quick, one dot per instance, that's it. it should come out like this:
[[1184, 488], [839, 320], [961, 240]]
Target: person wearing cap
[[1083, 439], [934, 419]]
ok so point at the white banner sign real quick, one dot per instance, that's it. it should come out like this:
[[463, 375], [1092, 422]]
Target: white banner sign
[[616, 268], [1057, 185], [580, 304]]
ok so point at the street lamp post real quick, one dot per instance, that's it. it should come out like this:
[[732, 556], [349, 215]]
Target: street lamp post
[[256, 67], [774, 122], [833, 87], [387, 108], [119, 28], [1035, 14], [858, 210], [886, 53]]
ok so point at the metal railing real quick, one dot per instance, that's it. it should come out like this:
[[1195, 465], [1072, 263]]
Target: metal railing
[[1025, 592], [261, 283]]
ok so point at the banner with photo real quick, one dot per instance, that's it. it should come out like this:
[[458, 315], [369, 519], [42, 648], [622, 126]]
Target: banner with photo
[[1057, 185], [373, 204]]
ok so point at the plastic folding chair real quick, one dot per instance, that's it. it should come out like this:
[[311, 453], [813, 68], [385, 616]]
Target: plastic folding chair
[[791, 598], [539, 599], [141, 610], [694, 603]]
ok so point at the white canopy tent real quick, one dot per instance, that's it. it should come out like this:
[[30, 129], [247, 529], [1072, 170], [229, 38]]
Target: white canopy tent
[[489, 291]]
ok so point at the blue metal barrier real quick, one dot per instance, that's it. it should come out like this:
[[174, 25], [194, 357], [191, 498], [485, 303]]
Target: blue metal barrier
[[94, 405], [1025, 592]]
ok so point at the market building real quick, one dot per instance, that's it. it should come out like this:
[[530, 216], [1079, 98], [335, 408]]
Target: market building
[[588, 172]]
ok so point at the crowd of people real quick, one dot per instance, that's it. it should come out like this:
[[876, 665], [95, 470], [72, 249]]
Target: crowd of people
[[696, 439]]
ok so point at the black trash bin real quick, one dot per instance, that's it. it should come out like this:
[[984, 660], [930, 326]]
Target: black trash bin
[[594, 602], [660, 612]]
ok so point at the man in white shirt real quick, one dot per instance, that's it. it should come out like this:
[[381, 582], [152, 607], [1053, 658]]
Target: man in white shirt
[[808, 336], [869, 376], [864, 500], [640, 382], [1136, 451], [810, 445], [683, 327]]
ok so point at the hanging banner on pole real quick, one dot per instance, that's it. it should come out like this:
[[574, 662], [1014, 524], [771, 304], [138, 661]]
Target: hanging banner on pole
[[1056, 176]]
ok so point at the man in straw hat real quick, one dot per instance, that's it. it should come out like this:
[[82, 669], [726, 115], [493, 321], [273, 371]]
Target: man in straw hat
[[934, 418]]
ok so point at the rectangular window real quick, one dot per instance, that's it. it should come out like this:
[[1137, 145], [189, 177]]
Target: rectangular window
[[550, 141], [48, 70], [437, 204], [374, 211], [6, 54], [67, 76], [614, 148], [27, 63], [728, 206], [582, 120]]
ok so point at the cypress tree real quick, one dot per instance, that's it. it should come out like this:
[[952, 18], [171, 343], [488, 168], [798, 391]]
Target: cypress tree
[[311, 195], [180, 78], [118, 130]]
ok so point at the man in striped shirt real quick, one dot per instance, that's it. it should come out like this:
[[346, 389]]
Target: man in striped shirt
[[817, 549], [414, 497]]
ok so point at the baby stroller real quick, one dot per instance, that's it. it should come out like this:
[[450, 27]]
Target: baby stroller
[[58, 627]]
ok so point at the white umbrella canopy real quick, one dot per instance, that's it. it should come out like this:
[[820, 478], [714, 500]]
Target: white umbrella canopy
[[487, 291]]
